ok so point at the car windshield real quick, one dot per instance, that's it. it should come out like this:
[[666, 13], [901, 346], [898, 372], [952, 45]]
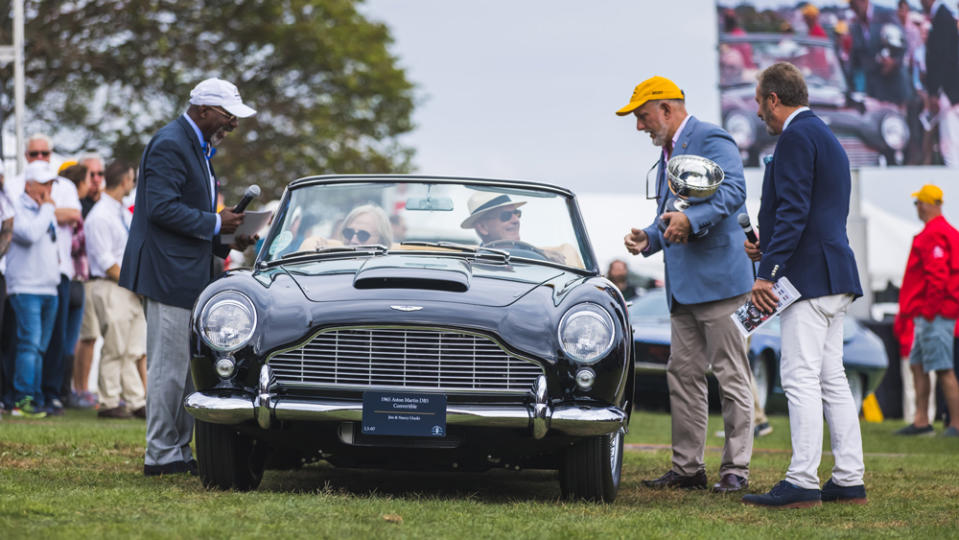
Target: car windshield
[[414, 216], [741, 61]]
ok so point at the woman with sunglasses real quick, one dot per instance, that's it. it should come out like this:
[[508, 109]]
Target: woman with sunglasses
[[366, 225]]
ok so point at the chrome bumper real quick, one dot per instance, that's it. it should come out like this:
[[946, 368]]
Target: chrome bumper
[[538, 418]]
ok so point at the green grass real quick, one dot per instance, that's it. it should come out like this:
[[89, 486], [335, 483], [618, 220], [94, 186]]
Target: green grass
[[80, 477]]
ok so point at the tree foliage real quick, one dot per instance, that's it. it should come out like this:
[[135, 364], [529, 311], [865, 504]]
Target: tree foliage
[[106, 74]]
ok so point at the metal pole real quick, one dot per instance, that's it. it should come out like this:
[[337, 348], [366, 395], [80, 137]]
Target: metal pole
[[18, 77]]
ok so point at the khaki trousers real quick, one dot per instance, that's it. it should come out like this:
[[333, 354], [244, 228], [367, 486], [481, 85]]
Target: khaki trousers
[[704, 335], [119, 315]]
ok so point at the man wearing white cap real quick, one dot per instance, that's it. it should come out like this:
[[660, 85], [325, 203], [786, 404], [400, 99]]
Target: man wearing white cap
[[169, 258], [32, 279]]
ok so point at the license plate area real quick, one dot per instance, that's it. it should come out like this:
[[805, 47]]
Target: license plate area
[[404, 414]]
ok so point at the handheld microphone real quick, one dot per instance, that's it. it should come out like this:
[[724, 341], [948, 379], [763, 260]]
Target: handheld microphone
[[251, 193], [747, 228]]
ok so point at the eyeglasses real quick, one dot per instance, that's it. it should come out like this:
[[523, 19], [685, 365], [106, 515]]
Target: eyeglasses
[[38, 153], [361, 235], [231, 118], [507, 215]]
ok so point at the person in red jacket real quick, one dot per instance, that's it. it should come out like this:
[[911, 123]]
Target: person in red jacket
[[930, 297]]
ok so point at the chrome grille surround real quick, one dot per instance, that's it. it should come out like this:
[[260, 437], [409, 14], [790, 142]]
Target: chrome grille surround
[[404, 358]]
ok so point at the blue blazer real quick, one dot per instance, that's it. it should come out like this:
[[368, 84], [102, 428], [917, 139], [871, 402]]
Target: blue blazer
[[169, 253], [802, 219], [714, 266]]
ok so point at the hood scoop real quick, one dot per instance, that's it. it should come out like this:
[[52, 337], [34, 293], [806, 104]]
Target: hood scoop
[[398, 272]]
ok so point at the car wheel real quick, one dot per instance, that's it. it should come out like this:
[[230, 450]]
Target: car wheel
[[227, 459], [857, 388], [591, 468], [762, 376]]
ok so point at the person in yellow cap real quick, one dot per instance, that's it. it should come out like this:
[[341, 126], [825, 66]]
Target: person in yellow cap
[[810, 15], [930, 297], [707, 279]]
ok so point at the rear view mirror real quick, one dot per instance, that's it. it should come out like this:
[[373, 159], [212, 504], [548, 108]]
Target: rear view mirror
[[436, 204]]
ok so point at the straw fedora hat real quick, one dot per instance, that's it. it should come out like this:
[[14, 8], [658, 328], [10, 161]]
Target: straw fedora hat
[[482, 202]]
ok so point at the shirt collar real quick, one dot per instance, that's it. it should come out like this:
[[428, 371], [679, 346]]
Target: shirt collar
[[679, 130], [28, 202], [793, 115], [196, 130]]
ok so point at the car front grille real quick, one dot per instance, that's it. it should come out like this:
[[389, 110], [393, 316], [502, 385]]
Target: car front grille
[[406, 358]]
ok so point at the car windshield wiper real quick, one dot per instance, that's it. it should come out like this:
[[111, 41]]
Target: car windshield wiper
[[329, 252], [479, 251]]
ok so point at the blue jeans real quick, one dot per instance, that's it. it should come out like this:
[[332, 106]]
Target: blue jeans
[[66, 328], [35, 318]]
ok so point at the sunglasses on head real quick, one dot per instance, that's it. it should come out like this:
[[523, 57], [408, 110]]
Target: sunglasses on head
[[38, 153], [361, 235], [507, 215]]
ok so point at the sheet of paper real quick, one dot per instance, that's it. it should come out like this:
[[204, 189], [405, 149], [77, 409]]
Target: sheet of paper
[[253, 221], [748, 317]]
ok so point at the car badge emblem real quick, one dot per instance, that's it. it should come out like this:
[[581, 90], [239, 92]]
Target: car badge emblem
[[406, 308]]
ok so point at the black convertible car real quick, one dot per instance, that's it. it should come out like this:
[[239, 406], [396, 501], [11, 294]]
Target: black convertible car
[[415, 323]]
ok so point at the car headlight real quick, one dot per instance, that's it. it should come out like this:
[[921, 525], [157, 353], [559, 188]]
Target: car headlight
[[227, 321], [894, 131], [586, 333], [741, 128]]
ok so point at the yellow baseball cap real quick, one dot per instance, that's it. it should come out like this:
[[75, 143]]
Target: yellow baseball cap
[[66, 165], [929, 194], [650, 89]]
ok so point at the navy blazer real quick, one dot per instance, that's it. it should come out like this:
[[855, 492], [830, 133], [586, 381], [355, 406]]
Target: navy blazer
[[802, 218], [714, 266], [169, 253]]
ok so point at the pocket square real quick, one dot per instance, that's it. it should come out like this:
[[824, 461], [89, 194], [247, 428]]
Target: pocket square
[[767, 159]]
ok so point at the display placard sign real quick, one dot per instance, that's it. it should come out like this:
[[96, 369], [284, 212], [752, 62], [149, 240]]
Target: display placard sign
[[404, 414]]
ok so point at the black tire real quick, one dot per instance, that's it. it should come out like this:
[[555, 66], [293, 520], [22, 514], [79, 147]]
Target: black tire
[[592, 467], [227, 459]]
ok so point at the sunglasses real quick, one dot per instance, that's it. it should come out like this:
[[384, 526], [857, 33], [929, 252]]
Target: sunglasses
[[507, 215], [97, 173], [231, 118], [361, 235], [38, 153]]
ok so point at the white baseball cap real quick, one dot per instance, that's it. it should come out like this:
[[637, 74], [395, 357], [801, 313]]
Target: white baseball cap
[[39, 171], [220, 93]]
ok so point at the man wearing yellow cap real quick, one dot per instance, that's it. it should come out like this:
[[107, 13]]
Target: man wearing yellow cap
[[707, 278], [930, 297]]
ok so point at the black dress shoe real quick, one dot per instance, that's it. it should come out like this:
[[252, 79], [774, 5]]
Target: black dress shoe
[[730, 482], [675, 480], [175, 467], [832, 492]]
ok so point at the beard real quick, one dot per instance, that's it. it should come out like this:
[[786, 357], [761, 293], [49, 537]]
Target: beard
[[659, 136], [218, 137]]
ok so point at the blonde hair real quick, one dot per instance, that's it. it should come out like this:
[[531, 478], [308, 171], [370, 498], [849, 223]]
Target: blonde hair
[[383, 227]]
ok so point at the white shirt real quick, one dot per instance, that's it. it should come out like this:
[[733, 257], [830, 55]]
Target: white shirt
[[64, 195], [13, 186], [32, 260], [793, 115], [107, 228]]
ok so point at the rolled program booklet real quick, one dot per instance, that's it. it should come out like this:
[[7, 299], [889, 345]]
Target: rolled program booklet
[[748, 317]]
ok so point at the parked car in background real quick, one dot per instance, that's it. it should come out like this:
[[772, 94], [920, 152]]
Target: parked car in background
[[864, 357], [872, 132], [365, 344]]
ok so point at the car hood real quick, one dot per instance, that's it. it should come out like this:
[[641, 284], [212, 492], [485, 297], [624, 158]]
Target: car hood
[[408, 278]]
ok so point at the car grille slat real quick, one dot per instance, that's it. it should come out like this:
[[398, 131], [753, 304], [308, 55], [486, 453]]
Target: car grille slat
[[408, 358]]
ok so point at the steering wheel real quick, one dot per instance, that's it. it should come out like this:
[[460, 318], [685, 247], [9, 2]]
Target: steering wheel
[[519, 249]]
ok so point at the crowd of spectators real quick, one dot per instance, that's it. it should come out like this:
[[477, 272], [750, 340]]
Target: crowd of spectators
[[61, 241]]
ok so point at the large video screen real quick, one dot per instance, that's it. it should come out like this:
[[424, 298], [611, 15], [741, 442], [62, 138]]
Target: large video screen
[[864, 63]]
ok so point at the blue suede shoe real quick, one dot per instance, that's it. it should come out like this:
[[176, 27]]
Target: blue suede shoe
[[786, 495], [832, 492]]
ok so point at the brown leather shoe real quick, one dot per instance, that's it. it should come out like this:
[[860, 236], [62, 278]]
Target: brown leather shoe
[[675, 480], [116, 412], [141, 412], [730, 482]]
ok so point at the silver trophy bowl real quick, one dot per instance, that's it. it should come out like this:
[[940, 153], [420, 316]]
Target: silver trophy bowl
[[693, 178]]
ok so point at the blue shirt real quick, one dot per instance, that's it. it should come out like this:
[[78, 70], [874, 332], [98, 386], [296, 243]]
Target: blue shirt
[[199, 137]]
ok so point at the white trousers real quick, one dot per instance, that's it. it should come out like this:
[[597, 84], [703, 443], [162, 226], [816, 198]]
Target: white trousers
[[815, 383], [949, 131]]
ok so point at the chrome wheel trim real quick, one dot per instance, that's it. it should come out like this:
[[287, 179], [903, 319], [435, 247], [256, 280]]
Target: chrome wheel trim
[[761, 377], [856, 389], [615, 449]]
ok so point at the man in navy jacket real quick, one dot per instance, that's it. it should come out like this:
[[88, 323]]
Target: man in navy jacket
[[169, 258], [802, 229]]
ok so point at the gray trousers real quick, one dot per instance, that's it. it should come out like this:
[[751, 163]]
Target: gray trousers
[[169, 426], [704, 335]]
